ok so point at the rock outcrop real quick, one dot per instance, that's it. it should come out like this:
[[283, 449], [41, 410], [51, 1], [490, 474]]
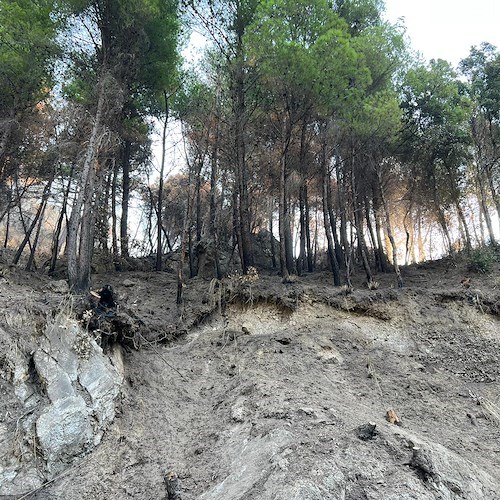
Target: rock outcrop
[[65, 393]]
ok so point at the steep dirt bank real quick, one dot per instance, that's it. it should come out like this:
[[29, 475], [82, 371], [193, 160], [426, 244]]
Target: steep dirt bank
[[271, 394]]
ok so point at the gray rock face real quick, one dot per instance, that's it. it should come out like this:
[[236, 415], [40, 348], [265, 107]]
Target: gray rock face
[[64, 430], [251, 463], [82, 385]]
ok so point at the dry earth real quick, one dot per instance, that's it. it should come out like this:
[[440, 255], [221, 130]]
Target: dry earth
[[272, 395]]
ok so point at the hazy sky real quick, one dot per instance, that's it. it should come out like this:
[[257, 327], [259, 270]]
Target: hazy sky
[[446, 29]]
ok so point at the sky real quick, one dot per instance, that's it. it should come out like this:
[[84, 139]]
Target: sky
[[446, 29]]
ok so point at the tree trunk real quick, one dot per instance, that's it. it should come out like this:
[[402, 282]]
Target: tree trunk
[[114, 236], [304, 222], [57, 233], [4, 139], [341, 187], [213, 198], [78, 263], [485, 208], [446, 231], [198, 222], [378, 230], [307, 211], [371, 232], [282, 205], [243, 204], [421, 247], [271, 231], [302, 219], [182, 256], [124, 243], [159, 209], [31, 258], [7, 227], [326, 220], [358, 222], [495, 194], [463, 221], [281, 222], [39, 213], [389, 232]]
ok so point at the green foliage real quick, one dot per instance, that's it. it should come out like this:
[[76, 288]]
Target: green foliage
[[360, 14], [482, 68], [137, 46], [27, 50], [302, 50], [436, 135], [482, 260]]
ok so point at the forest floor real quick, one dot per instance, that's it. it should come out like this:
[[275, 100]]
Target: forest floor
[[282, 392]]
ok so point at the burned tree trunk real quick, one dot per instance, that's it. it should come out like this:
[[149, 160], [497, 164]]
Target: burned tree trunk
[[389, 231]]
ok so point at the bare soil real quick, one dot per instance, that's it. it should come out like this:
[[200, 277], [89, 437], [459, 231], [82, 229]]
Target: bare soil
[[261, 390]]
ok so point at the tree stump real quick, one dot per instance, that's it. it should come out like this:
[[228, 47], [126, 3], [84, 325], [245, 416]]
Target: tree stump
[[366, 432]]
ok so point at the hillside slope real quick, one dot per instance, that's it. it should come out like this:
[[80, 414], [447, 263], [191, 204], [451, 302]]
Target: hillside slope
[[284, 393]]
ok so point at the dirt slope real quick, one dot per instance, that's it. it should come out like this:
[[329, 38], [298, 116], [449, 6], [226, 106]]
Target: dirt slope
[[266, 400]]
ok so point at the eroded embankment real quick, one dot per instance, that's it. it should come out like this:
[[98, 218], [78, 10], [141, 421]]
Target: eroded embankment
[[270, 402]]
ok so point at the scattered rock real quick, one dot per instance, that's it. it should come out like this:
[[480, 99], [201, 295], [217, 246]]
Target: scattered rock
[[392, 417], [128, 283], [247, 328], [59, 286], [366, 432], [284, 340], [421, 461]]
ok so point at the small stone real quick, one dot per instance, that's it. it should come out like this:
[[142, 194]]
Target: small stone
[[392, 417], [247, 328], [59, 286], [128, 283]]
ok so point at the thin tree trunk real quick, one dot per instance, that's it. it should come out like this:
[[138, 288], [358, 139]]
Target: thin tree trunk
[[124, 243], [446, 231], [371, 232], [358, 222], [114, 217], [327, 223], [159, 210], [182, 256], [7, 226], [282, 205], [6, 133], [461, 217], [213, 198], [341, 186], [485, 209], [383, 261], [31, 258], [302, 220], [389, 232], [421, 247], [57, 233], [307, 211], [271, 232], [302, 196], [39, 213], [198, 223], [243, 204]]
